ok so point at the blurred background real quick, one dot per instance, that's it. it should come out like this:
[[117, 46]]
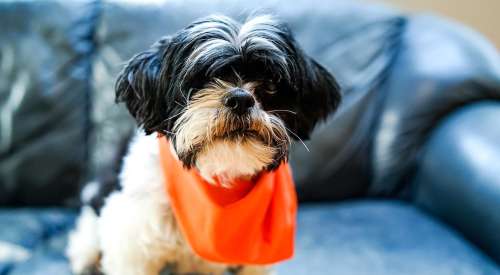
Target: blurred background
[[404, 179], [481, 15]]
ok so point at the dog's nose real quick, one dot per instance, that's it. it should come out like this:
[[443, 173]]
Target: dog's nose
[[239, 101]]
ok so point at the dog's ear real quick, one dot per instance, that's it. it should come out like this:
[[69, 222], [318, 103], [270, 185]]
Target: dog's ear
[[138, 86], [319, 96], [317, 92]]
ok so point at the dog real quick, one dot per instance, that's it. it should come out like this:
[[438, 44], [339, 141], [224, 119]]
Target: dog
[[230, 97]]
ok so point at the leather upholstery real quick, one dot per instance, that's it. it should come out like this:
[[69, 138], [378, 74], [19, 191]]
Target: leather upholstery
[[371, 146], [45, 76], [361, 237], [412, 124], [441, 67], [458, 179]]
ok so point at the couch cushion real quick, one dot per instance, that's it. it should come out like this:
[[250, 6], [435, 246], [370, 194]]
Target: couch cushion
[[380, 237], [362, 237], [33, 241]]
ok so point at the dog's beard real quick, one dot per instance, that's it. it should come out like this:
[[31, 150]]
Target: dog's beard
[[225, 146]]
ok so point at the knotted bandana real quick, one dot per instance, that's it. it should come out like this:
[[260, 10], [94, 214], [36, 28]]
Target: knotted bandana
[[253, 222]]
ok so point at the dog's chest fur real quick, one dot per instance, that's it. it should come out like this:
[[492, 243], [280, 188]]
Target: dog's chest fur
[[149, 238]]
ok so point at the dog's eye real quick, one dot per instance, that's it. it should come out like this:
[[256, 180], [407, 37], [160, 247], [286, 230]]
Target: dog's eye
[[271, 89]]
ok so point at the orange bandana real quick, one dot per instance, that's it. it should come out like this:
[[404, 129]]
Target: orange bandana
[[253, 223]]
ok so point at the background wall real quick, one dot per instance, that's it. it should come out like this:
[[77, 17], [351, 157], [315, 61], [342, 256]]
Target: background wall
[[482, 15]]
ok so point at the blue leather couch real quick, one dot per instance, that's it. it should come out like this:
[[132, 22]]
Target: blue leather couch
[[405, 179]]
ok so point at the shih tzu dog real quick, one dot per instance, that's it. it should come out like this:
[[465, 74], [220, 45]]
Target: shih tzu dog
[[230, 97]]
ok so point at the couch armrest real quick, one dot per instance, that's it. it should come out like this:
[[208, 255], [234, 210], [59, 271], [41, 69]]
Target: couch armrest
[[458, 178], [441, 66]]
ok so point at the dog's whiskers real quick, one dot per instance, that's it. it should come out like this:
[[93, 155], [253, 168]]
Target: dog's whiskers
[[287, 111], [297, 136]]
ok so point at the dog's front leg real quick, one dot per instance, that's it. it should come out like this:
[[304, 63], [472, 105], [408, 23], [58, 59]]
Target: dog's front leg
[[138, 235]]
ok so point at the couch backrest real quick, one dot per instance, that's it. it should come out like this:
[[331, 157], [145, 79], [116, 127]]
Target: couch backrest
[[59, 62], [45, 67], [59, 124]]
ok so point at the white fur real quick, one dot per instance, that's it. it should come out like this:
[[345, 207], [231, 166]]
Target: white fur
[[253, 34], [136, 232], [83, 248], [231, 159]]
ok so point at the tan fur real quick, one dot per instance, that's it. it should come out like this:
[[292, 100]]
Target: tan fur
[[229, 159], [136, 231], [205, 123]]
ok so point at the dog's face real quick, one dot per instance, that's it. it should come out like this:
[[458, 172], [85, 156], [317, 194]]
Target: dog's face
[[221, 90]]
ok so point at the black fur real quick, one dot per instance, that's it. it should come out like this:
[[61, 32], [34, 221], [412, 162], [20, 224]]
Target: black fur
[[155, 84]]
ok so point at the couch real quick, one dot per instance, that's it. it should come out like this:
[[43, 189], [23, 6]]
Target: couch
[[404, 179]]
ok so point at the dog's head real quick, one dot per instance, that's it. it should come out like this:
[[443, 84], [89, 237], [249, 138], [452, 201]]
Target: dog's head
[[224, 91]]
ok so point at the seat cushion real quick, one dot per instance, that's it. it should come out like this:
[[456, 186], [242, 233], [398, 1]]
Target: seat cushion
[[380, 237], [360, 237], [32, 241]]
